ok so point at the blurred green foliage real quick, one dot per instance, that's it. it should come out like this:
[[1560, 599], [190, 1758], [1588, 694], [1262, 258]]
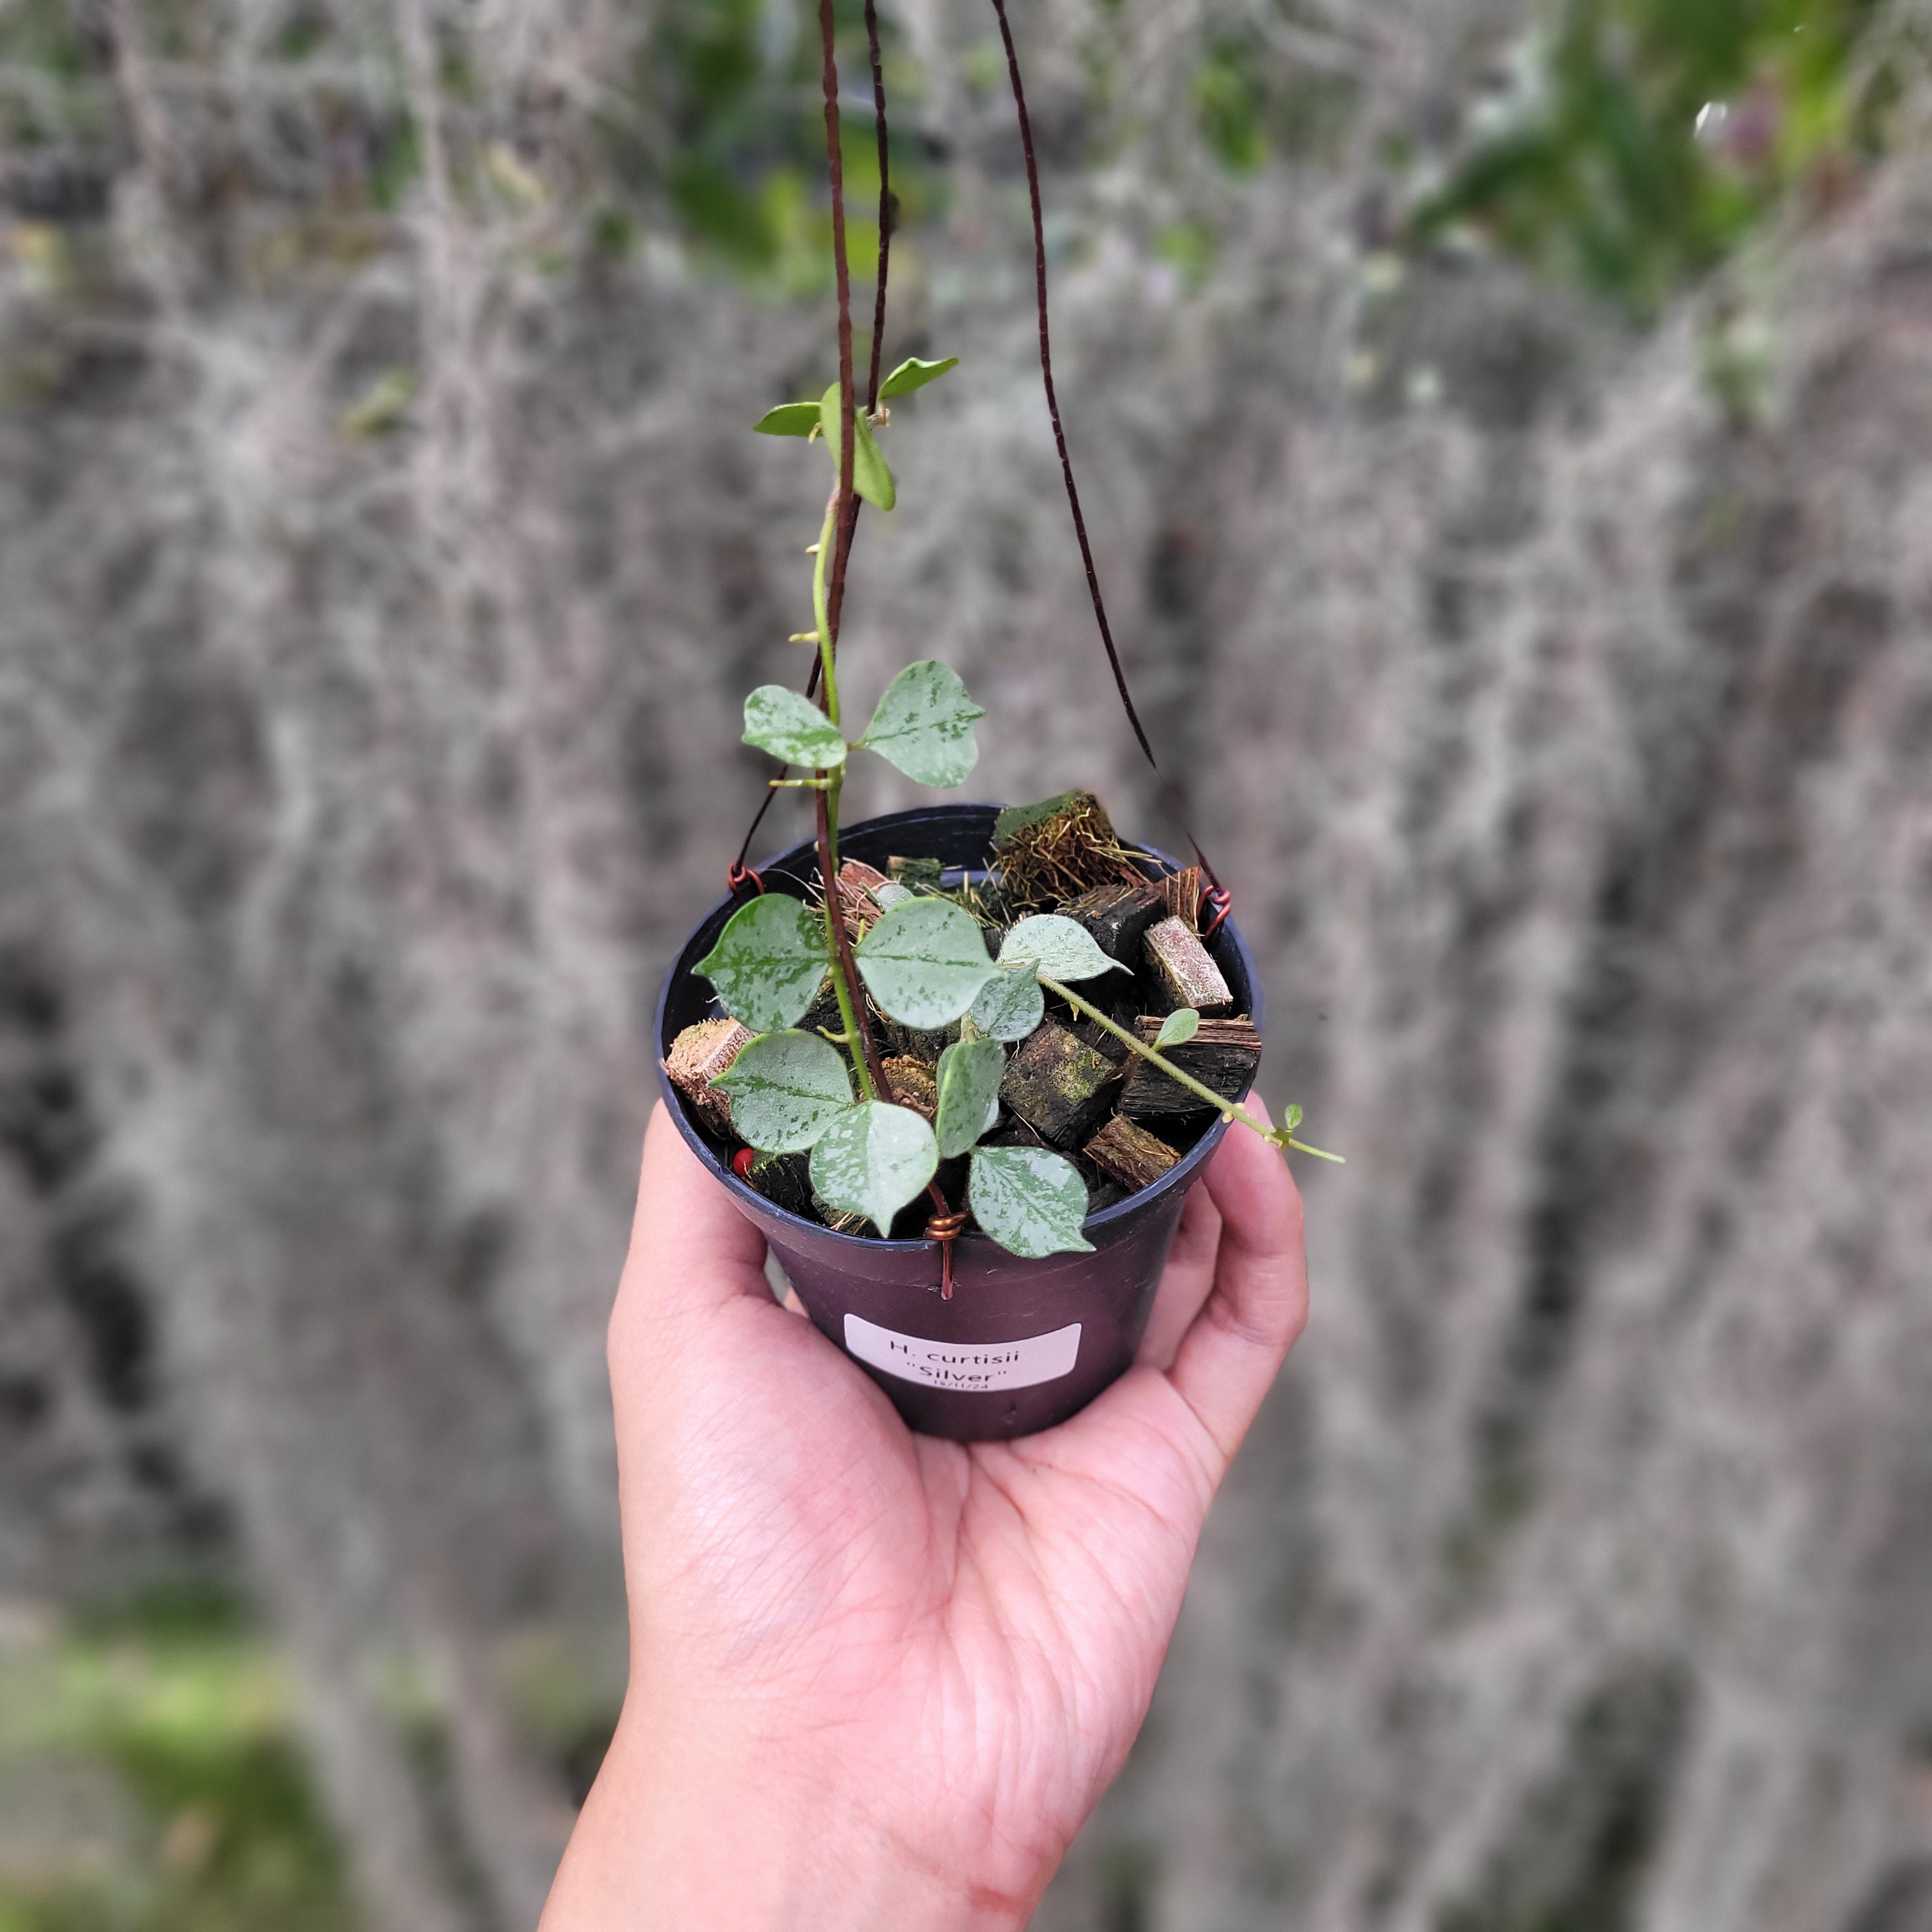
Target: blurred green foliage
[[178, 1707], [733, 89], [1635, 144]]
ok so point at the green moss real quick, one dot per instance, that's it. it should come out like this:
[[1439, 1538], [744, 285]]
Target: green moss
[[178, 1700]]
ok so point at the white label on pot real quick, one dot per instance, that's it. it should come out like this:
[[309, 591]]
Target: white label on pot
[[979, 1367]]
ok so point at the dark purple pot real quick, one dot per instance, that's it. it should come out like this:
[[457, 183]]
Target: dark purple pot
[[1022, 1345]]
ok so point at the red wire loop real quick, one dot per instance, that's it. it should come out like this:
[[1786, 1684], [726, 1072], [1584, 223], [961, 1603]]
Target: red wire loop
[[1222, 902], [945, 1229], [736, 879]]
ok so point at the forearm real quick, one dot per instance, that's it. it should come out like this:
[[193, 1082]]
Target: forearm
[[680, 1831]]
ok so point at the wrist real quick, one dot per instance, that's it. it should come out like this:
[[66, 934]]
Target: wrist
[[688, 1828]]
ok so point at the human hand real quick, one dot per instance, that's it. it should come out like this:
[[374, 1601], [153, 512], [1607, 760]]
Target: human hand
[[878, 1679]]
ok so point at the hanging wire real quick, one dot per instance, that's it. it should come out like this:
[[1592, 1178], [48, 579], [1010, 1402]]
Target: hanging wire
[[1218, 897]]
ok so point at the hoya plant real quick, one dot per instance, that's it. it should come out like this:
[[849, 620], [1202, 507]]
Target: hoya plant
[[925, 963]]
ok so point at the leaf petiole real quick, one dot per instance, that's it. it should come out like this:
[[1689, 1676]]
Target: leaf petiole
[[1219, 1102]]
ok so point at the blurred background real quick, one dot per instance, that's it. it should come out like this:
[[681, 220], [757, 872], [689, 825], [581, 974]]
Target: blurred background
[[1507, 430]]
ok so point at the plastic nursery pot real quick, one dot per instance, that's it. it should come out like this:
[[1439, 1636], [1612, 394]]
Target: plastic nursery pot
[[1022, 1345]]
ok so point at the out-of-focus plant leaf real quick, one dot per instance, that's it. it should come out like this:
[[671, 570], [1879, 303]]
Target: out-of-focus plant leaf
[[791, 728], [913, 374], [788, 419], [871, 477]]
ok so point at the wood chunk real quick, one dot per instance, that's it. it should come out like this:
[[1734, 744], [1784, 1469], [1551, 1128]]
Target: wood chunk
[[1223, 1054], [1057, 1084], [1058, 849], [1118, 915], [920, 1043], [861, 911], [1185, 969], [1180, 893], [1111, 1049], [698, 1055], [913, 1086], [1134, 1157], [785, 1180]]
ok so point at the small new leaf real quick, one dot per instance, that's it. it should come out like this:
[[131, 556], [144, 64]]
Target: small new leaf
[[1010, 1004], [969, 1073], [788, 419], [890, 894], [871, 477], [925, 962], [872, 1160], [913, 374], [770, 962], [1178, 1029], [785, 1089], [924, 725], [1056, 948], [1031, 1202], [792, 728]]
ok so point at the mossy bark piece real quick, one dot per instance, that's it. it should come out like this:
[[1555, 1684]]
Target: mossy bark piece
[[1057, 849], [1185, 969], [1109, 1046], [1119, 916], [698, 1056], [915, 872], [913, 1086], [1223, 1056], [1131, 1155], [785, 1180], [1058, 1085]]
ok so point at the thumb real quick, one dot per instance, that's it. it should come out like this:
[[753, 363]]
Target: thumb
[[692, 1251]]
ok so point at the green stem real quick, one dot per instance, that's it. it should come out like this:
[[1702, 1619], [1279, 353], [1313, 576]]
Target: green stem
[[1228, 1110], [822, 612]]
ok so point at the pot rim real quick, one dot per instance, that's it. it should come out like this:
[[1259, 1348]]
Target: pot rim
[[1183, 1171]]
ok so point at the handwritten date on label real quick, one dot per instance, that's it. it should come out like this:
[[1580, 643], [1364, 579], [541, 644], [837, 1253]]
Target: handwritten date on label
[[978, 1367]]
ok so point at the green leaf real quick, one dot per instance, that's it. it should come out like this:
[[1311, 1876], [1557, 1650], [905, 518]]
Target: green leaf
[[788, 419], [913, 374], [770, 962], [1058, 948], [792, 728], [924, 725], [785, 1089], [1178, 1028], [1010, 1004], [969, 1073], [890, 894], [1032, 1202], [872, 1160], [870, 476], [925, 962]]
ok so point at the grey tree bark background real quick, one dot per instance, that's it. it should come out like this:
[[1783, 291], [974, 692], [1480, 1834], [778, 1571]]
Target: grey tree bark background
[[1568, 742]]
